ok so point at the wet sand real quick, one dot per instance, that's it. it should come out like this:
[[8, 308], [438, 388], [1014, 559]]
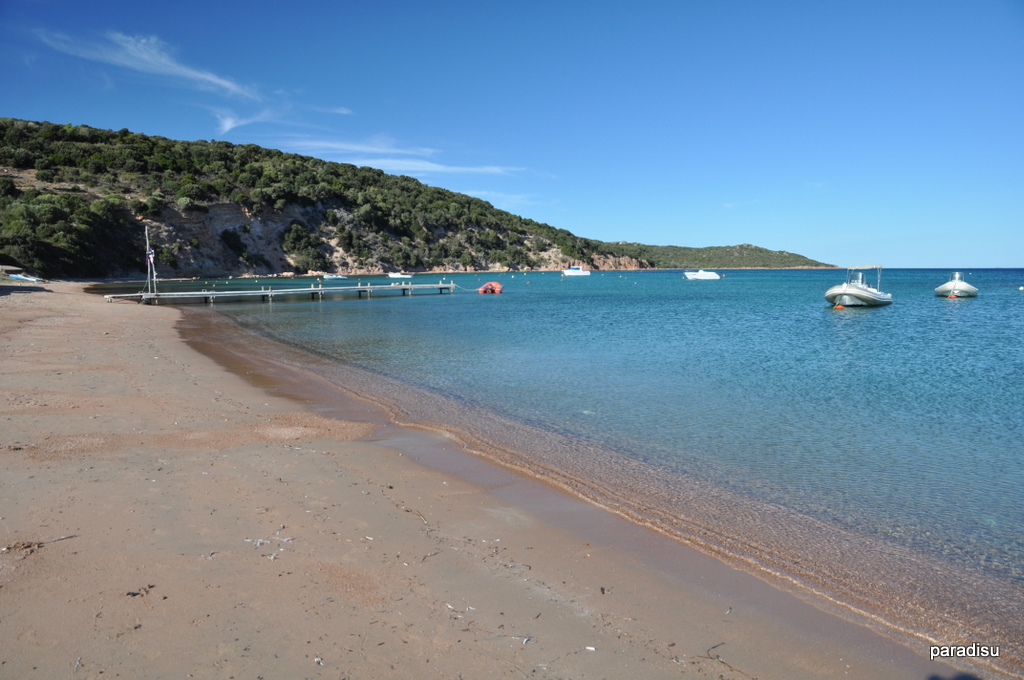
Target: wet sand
[[171, 513]]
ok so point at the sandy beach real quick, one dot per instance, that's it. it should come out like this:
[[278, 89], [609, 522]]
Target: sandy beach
[[170, 513]]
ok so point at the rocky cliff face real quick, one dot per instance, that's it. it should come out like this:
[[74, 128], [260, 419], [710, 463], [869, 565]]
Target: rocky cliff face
[[196, 239]]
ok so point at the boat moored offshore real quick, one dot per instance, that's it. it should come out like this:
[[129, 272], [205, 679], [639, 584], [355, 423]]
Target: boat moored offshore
[[956, 287], [701, 275], [856, 292]]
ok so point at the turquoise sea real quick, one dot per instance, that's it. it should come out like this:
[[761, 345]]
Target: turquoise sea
[[873, 457]]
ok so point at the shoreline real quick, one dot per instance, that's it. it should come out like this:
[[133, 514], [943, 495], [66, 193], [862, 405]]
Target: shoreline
[[903, 594], [454, 564]]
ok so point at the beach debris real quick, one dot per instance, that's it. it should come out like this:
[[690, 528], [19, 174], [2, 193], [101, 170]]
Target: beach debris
[[716, 657], [29, 547], [467, 609], [590, 649], [418, 513], [318, 661], [78, 664], [728, 611], [141, 591], [257, 542], [719, 659], [62, 538]]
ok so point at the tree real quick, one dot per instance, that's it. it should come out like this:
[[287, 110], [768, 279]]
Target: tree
[[304, 248]]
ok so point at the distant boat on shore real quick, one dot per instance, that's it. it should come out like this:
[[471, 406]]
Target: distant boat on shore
[[701, 275], [575, 271], [856, 292], [956, 287]]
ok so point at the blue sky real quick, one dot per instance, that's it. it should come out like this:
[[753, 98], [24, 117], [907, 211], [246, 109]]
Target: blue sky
[[850, 132]]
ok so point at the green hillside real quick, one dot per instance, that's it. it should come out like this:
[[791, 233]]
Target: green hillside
[[718, 257], [76, 201]]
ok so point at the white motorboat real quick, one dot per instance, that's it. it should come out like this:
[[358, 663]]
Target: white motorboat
[[701, 275], [399, 275], [856, 292], [575, 271], [335, 276], [956, 287]]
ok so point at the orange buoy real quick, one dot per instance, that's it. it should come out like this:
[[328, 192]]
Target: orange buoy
[[839, 307], [490, 287]]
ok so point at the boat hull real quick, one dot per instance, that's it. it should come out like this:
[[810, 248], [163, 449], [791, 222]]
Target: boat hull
[[956, 289], [702, 275], [852, 295]]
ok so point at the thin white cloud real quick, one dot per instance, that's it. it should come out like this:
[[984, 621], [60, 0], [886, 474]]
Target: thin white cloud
[[342, 110], [419, 166], [378, 144], [382, 152], [144, 54], [227, 120]]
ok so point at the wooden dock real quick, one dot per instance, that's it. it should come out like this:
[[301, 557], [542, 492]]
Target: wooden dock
[[268, 294]]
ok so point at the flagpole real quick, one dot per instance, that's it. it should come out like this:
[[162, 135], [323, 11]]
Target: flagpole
[[150, 267]]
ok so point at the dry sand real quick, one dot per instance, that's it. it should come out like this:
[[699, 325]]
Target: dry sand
[[163, 517]]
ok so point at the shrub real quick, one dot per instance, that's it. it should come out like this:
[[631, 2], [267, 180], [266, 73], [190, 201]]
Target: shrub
[[166, 255], [7, 187]]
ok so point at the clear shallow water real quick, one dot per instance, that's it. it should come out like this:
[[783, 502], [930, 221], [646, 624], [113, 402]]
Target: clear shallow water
[[901, 424], [906, 420]]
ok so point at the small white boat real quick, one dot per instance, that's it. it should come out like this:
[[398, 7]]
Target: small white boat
[[856, 292], [334, 276], [399, 275], [23, 277], [956, 287], [701, 275], [575, 271]]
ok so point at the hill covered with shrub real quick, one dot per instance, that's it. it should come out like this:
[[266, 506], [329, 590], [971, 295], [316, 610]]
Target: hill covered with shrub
[[76, 201]]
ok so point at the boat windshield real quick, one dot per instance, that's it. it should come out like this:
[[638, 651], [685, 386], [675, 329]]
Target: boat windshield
[[956, 276], [856, 278]]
